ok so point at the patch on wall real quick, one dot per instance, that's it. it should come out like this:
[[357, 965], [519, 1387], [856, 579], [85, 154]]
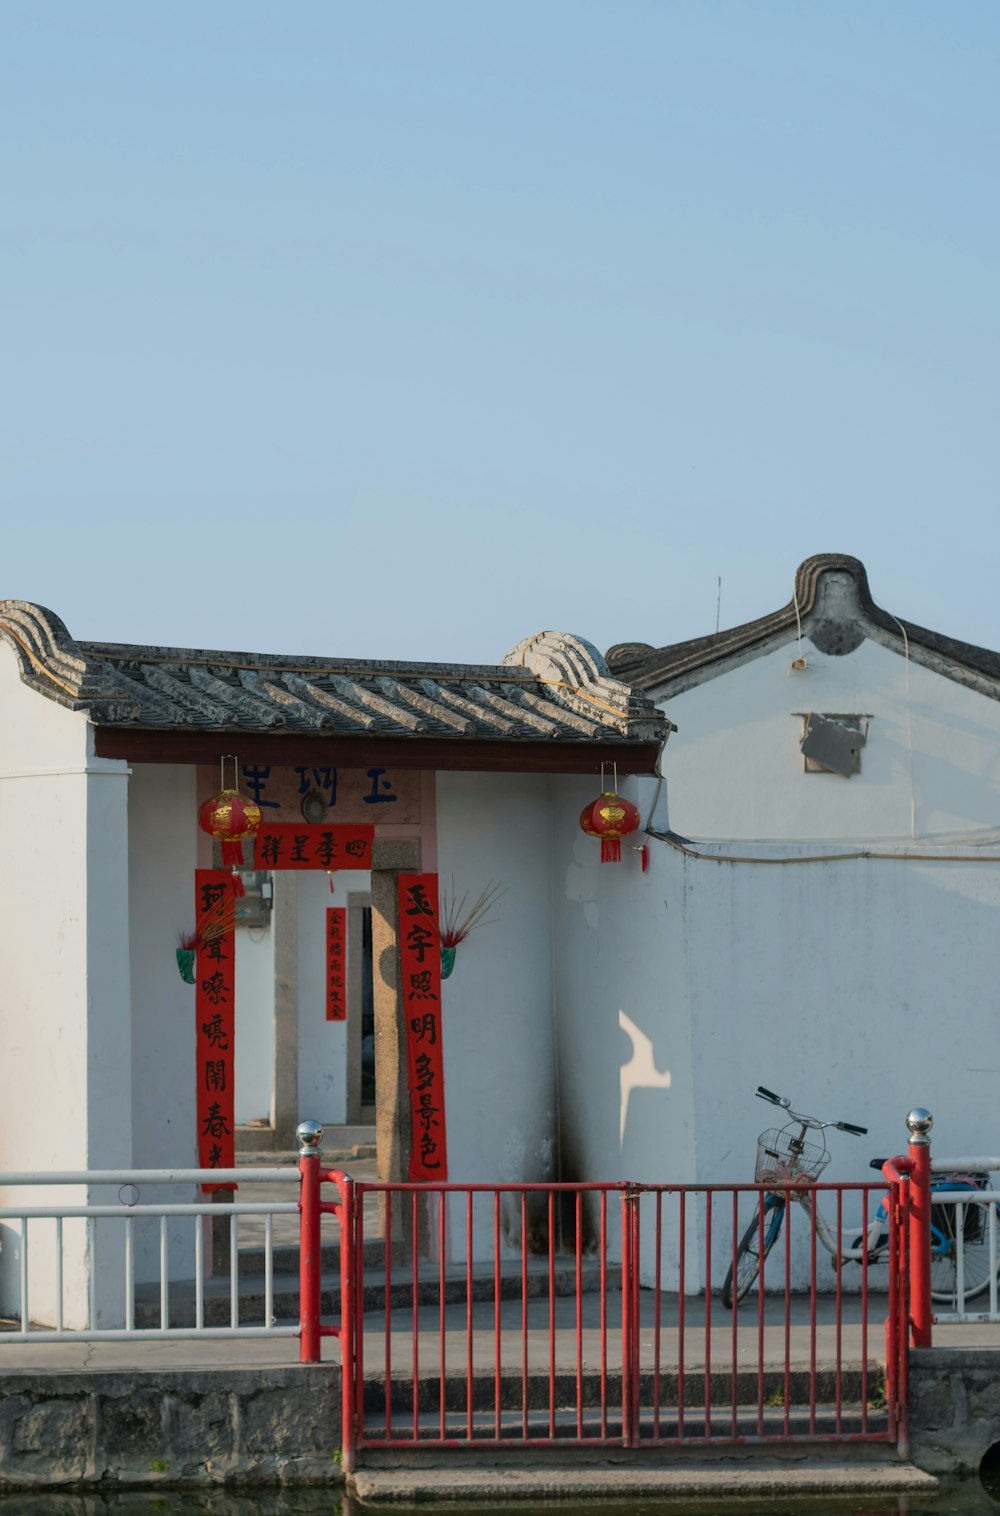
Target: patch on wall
[[832, 743]]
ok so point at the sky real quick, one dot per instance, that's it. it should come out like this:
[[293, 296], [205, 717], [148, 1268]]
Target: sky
[[407, 328]]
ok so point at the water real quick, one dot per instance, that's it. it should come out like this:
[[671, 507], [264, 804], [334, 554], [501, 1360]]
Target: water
[[968, 1499]]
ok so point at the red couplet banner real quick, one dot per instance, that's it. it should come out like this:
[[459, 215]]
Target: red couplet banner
[[420, 964], [215, 1004], [312, 845], [336, 983]]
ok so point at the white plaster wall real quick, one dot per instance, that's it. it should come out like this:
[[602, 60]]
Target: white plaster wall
[[859, 989], [162, 860], [64, 1014], [322, 1043], [626, 1086], [254, 1061], [109, 1011], [497, 1011], [735, 770]]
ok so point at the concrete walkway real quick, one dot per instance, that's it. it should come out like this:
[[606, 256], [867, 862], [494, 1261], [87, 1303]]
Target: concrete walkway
[[729, 1344]]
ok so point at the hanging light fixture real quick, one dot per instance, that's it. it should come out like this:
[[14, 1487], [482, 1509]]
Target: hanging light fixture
[[228, 817], [610, 817]]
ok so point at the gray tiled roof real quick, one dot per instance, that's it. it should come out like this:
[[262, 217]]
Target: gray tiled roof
[[548, 687]]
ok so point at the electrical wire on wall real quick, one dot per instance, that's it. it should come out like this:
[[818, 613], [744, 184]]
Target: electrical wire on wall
[[683, 845], [909, 727]]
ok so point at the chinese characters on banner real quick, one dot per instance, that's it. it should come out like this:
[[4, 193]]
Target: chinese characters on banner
[[215, 1001], [336, 983], [420, 970], [301, 845]]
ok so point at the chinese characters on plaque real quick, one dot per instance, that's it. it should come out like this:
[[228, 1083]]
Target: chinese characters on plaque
[[349, 795], [215, 1001], [336, 982], [420, 971]]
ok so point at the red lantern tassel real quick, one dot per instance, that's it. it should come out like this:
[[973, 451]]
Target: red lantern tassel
[[611, 850], [232, 855], [644, 852], [239, 889]]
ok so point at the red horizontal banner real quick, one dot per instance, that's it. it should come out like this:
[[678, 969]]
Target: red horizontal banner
[[301, 845], [420, 978], [336, 958]]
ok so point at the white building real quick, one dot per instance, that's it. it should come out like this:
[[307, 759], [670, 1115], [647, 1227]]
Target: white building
[[107, 751], [827, 926], [819, 913]]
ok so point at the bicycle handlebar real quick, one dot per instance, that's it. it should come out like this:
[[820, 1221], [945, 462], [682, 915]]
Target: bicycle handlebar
[[763, 1093]]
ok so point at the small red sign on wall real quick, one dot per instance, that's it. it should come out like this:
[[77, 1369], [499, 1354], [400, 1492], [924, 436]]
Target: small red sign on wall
[[302, 845], [215, 1001], [336, 961], [420, 964]]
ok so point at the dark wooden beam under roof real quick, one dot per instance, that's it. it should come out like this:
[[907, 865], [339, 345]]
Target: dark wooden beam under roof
[[293, 748]]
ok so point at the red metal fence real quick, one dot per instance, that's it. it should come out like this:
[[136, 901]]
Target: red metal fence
[[518, 1316]]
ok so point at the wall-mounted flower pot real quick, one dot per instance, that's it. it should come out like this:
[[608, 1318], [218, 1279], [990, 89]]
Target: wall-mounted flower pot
[[185, 964], [447, 961]]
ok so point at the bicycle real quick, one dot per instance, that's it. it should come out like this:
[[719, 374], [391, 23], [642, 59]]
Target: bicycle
[[784, 1156]]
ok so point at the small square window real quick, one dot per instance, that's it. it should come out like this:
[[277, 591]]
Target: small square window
[[831, 743]]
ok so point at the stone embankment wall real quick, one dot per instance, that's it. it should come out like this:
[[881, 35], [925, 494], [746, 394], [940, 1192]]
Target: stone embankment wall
[[192, 1427], [282, 1424], [954, 1408]]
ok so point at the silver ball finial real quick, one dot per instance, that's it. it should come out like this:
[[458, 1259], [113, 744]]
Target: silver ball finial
[[918, 1124], [310, 1135]]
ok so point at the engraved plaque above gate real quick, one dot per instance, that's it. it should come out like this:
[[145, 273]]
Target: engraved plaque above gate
[[316, 793]]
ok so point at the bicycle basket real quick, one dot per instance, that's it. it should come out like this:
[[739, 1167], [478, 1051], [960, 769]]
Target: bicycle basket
[[779, 1162]]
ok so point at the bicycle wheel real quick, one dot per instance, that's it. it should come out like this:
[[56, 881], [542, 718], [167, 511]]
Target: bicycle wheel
[[747, 1262], [944, 1252]]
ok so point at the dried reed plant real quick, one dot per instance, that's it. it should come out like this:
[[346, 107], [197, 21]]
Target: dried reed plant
[[458, 918]]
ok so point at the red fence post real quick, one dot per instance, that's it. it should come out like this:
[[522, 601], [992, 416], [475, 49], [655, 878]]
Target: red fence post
[[345, 1215], [628, 1325], [919, 1123], [897, 1327], [310, 1135]]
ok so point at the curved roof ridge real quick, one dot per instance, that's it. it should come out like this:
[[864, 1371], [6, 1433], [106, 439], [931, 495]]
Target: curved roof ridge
[[645, 666], [50, 660]]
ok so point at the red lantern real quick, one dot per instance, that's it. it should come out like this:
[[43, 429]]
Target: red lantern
[[610, 818], [228, 817]]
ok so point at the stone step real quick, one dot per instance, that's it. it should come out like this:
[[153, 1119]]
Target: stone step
[[702, 1478], [285, 1258], [285, 1292], [517, 1426], [534, 1392]]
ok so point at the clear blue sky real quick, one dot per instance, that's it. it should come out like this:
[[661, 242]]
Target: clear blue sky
[[409, 327]]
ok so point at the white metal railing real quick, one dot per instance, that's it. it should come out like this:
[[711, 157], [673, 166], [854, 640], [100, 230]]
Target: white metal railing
[[966, 1290], [129, 1212]]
